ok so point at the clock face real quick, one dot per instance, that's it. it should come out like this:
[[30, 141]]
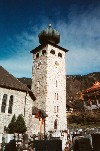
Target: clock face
[[56, 63]]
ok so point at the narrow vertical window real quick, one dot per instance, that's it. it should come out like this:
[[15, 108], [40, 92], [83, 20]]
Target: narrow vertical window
[[59, 55], [57, 108], [57, 96], [10, 104], [54, 109], [56, 83], [44, 52], [4, 102], [24, 111], [37, 55], [55, 124]]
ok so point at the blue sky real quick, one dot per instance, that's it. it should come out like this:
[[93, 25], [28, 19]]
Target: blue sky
[[78, 22]]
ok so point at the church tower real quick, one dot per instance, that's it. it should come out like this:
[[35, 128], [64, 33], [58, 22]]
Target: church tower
[[49, 79]]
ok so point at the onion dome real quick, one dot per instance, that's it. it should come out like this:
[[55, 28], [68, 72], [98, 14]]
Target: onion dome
[[49, 35]]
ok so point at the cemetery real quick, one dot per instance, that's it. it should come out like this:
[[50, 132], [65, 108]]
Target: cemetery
[[76, 141], [35, 118]]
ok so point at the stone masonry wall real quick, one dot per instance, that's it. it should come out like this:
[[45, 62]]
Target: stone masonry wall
[[39, 74], [46, 75], [18, 106], [56, 90]]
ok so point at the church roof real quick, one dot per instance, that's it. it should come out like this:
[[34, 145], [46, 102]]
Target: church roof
[[38, 112], [26, 81], [7, 80], [49, 34]]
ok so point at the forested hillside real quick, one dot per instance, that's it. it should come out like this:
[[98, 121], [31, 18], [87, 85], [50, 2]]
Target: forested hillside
[[76, 83]]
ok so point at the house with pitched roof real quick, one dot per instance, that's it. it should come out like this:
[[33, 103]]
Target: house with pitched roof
[[91, 97]]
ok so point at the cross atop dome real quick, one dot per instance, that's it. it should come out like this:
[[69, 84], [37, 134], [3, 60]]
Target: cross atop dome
[[49, 25], [49, 35]]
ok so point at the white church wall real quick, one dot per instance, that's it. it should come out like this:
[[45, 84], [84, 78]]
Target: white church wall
[[22, 104], [17, 108]]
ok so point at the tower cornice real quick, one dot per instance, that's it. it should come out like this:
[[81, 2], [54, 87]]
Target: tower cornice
[[48, 42]]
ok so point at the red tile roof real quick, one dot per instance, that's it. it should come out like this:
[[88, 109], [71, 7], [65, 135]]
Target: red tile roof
[[96, 86], [9, 81]]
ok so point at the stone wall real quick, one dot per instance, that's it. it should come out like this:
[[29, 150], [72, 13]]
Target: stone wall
[[22, 104], [49, 86], [56, 89]]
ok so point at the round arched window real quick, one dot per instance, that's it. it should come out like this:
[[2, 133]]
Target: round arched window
[[37, 55], [59, 55], [43, 52], [52, 51]]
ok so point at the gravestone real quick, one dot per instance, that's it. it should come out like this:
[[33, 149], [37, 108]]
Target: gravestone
[[48, 145], [74, 135], [82, 144], [11, 146], [25, 141], [96, 142]]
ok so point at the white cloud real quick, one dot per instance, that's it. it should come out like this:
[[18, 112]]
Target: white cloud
[[81, 35], [20, 66], [20, 63]]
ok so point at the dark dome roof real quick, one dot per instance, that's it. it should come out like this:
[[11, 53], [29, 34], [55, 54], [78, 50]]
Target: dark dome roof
[[49, 34]]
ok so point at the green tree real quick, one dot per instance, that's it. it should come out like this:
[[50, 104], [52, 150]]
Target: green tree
[[12, 125], [20, 125]]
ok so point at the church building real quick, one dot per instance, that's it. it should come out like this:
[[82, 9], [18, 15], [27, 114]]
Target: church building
[[48, 90], [15, 98]]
